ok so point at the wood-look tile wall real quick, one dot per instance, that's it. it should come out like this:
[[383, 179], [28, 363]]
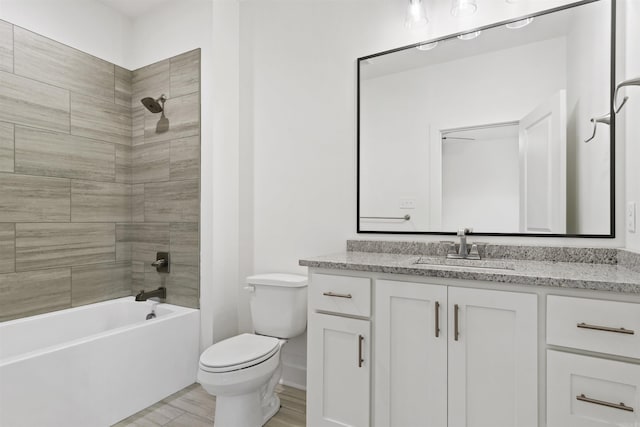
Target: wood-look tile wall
[[89, 189], [166, 179]]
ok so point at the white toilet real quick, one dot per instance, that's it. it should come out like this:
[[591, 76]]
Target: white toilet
[[243, 371]]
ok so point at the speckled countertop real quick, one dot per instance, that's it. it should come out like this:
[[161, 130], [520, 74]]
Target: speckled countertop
[[608, 275]]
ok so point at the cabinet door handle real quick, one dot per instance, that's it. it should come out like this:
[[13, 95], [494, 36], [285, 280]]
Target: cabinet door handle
[[606, 329], [333, 294], [620, 405], [437, 310], [360, 359], [456, 330]]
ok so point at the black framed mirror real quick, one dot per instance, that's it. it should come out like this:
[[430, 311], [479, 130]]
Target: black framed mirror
[[506, 129]]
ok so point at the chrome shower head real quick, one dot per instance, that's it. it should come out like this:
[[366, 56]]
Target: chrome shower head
[[153, 105]]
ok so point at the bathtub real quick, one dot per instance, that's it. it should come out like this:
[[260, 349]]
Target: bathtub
[[94, 365]]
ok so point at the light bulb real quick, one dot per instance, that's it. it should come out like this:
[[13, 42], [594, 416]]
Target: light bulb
[[469, 36], [416, 15], [427, 46], [463, 7], [519, 24]]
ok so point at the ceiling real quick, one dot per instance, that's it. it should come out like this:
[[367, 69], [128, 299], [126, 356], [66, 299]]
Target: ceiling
[[133, 8]]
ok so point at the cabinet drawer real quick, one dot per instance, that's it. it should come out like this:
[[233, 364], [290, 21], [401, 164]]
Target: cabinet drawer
[[340, 294], [585, 391], [595, 325]]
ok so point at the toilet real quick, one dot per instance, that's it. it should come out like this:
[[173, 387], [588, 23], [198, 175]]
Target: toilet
[[242, 371]]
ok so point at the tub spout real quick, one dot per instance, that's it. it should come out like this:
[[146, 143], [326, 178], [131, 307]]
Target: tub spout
[[161, 292]]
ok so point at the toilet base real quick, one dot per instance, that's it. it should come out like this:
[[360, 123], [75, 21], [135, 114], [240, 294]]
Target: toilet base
[[244, 410]]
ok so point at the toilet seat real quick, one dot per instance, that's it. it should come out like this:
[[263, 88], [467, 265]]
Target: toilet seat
[[239, 352]]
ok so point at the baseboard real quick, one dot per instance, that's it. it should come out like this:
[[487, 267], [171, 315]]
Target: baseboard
[[294, 376]]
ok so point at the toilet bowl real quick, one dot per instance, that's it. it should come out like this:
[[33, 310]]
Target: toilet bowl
[[242, 371]]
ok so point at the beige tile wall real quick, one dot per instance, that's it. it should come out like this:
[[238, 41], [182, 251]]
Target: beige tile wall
[[89, 189], [166, 179]]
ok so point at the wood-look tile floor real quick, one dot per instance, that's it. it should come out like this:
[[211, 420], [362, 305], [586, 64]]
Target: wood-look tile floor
[[194, 407]]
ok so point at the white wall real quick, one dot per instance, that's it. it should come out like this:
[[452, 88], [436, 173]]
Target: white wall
[[87, 25], [629, 116], [588, 165]]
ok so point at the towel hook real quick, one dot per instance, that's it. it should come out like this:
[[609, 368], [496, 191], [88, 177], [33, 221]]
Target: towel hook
[[605, 119], [629, 82]]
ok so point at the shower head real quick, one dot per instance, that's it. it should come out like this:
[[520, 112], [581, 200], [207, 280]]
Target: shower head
[[153, 105]]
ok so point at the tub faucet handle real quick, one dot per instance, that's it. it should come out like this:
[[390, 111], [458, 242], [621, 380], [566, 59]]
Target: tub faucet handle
[[162, 262]]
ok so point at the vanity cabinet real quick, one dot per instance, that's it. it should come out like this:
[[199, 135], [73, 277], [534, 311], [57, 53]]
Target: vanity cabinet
[[441, 355], [410, 354], [472, 351], [339, 351], [590, 390], [586, 391], [493, 358]]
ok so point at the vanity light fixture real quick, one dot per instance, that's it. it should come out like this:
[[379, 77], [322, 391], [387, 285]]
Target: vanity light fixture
[[427, 46], [463, 7], [469, 36], [519, 24], [416, 14]]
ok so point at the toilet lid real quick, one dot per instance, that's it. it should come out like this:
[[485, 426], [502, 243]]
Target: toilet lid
[[238, 352]]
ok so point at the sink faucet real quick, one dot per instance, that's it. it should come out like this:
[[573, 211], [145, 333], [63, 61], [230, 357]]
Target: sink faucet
[[462, 233], [463, 250], [161, 292]]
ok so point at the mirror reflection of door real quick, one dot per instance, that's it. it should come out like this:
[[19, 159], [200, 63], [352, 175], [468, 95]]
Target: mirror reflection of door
[[543, 165], [500, 177]]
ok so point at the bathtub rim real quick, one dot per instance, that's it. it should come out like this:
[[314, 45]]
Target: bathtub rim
[[176, 311]]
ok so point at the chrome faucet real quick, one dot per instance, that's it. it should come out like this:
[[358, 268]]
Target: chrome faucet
[[161, 292], [463, 250]]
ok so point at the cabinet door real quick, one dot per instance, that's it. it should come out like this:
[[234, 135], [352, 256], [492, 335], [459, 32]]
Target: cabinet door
[[493, 358], [410, 356], [585, 391], [338, 375]]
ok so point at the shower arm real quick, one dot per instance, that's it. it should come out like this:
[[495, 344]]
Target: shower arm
[[604, 119], [629, 82]]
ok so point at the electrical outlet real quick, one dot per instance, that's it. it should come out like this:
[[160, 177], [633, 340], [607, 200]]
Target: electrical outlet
[[631, 217], [407, 203]]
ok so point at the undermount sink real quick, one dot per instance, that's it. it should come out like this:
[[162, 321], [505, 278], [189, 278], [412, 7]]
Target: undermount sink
[[492, 264]]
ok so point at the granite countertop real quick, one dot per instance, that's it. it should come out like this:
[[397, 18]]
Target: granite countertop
[[609, 276]]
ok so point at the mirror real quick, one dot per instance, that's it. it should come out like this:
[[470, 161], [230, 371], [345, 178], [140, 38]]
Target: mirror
[[487, 130]]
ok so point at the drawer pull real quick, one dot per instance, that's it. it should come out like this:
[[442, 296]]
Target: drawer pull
[[456, 330], [606, 329], [620, 405], [437, 319], [333, 294], [360, 359]]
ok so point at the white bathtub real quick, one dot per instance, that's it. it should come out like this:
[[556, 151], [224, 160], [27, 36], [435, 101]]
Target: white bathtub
[[94, 365]]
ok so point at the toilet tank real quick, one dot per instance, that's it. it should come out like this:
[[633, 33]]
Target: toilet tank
[[278, 304]]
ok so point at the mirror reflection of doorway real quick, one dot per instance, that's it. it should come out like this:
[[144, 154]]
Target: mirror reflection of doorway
[[480, 174], [507, 176]]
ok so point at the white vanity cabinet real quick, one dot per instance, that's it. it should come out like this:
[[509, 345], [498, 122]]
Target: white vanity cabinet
[[410, 354], [339, 351], [591, 390], [447, 355], [493, 358], [440, 355]]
